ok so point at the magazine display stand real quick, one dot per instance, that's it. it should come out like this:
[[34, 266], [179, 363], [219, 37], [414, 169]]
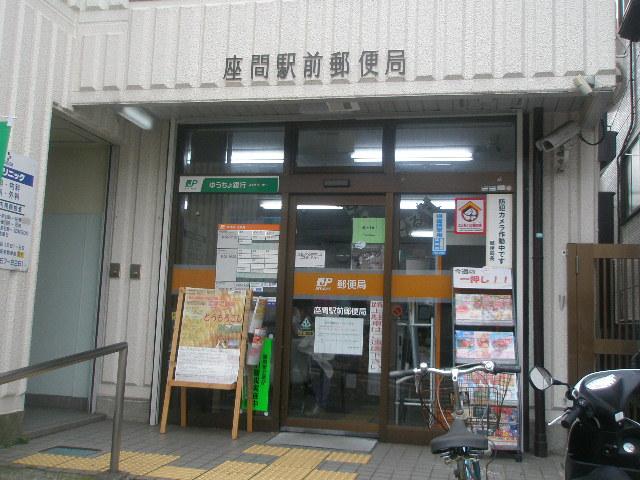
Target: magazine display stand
[[485, 329]]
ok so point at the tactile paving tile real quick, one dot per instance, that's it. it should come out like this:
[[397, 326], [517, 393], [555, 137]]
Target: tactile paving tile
[[176, 473], [232, 470], [44, 460], [345, 457], [267, 450], [325, 475], [282, 472], [94, 464], [301, 458], [144, 463]]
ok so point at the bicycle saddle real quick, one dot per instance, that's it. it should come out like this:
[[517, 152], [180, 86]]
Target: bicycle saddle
[[459, 437]]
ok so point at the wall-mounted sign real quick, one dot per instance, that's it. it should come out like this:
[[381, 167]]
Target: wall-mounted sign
[[470, 216], [487, 278], [391, 63], [229, 185], [337, 284], [499, 211], [439, 245], [247, 256], [17, 210]]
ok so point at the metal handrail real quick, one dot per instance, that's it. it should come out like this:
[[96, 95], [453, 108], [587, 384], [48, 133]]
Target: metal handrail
[[121, 349]]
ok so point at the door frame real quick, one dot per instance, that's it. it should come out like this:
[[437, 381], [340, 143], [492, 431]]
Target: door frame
[[293, 200]]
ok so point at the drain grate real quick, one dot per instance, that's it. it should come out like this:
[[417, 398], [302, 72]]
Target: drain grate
[[71, 451]]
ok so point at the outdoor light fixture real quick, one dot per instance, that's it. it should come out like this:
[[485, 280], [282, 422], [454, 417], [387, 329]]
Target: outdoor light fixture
[[415, 154], [422, 233], [277, 205], [257, 156], [138, 116]]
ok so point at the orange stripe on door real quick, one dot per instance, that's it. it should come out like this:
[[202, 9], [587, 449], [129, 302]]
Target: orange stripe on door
[[436, 286], [337, 284], [198, 277]]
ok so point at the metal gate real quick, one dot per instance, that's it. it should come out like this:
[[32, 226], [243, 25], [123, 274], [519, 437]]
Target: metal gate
[[603, 302]]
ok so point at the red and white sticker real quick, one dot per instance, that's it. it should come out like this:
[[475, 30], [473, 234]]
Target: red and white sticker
[[470, 216]]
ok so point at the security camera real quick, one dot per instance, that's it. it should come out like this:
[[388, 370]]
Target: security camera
[[558, 137]]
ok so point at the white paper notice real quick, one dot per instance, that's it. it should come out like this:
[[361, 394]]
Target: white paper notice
[[226, 265], [499, 208], [338, 335], [207, 365], [310, 258], [375, 337]]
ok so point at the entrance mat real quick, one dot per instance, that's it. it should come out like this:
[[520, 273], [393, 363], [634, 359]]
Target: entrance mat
[[333, 442]]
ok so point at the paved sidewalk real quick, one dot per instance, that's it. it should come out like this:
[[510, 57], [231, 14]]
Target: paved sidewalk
[[209, 454]]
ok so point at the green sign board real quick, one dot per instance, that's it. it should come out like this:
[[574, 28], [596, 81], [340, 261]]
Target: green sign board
[[261, 379], [229, 185], [368, 230], [5, 130]]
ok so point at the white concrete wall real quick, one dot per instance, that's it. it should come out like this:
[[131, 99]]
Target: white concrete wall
[[570, 216], [170, 50], [37, 39], [37, 44]]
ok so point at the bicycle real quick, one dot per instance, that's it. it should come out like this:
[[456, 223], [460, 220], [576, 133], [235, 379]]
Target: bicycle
[[458, 445]]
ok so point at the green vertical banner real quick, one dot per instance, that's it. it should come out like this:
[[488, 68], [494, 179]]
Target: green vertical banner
[[5, 130], [261, 379]]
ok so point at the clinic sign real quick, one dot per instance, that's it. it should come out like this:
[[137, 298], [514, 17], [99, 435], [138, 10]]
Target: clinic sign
[[229, 185], [17, 210]]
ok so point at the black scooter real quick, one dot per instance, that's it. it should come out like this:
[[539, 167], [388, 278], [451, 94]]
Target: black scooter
[[603, 443]]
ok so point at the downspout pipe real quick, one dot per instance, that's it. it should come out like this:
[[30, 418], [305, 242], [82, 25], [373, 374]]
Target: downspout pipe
[[540, 436]]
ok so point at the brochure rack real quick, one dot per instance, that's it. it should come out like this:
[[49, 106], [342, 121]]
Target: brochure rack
[[485, 329]]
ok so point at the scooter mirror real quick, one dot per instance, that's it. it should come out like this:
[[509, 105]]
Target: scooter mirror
[[540, 378]]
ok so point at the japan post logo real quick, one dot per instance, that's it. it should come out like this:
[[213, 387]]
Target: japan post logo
[[323, 284], [191, 185]]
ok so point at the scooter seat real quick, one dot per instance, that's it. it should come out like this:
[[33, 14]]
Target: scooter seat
[[459, 437]]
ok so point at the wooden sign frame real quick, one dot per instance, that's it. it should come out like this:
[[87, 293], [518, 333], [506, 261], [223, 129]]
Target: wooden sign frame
[[183, 385]]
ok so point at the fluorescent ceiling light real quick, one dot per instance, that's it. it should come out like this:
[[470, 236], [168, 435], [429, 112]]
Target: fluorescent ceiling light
[[257, 156], [415, 154], [412, 204], [367, 155], [444, 204], [277, 205], [434, 154], [422, 233], [319, 207], [136, 115], [271, 204]]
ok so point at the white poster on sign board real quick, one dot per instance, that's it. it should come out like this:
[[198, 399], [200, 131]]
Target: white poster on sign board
[[207, 365], [499, 211], [487, 278], [470, 216], [338, 335], [310, 258], [17, 208]]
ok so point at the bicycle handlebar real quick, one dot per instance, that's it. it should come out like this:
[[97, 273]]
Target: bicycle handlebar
[[487, 366]]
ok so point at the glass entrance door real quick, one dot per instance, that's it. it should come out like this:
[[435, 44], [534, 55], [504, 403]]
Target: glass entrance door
[[334, 313]]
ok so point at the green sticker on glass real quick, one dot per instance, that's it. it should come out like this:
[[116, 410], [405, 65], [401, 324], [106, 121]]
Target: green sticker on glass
[[368, 230], [261, 380]]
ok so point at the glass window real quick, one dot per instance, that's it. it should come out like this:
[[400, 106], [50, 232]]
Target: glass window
[[632, 180], [421, 312], [336, 323], [231, 150], [340, 147], [456, 146], [255, 219]]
